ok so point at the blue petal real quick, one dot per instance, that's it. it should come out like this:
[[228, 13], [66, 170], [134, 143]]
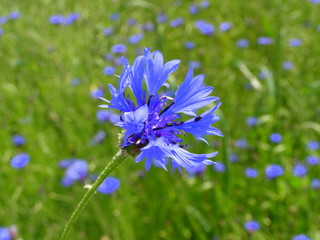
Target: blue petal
[[109, 185], [191, 95], [157, 73]]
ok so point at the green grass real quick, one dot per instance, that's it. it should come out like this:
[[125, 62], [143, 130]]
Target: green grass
[[38, 61]]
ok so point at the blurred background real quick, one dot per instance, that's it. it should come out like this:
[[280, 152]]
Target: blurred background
[[262, 57]]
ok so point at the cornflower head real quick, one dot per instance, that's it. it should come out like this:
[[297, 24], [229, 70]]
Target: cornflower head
[[273, 171], [76, 170], [299, 170], [300, 237], [252, 226], [204, 27], [152, 124]]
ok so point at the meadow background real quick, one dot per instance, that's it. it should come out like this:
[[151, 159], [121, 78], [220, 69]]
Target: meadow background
[[48, 73]]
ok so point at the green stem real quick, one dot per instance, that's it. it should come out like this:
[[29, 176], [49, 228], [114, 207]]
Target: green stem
[[115, 162]]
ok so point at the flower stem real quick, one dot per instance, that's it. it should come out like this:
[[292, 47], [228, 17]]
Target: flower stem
[[115, 162]]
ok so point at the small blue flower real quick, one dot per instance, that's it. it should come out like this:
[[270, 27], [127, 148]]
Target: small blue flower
[[204, 27], [241, 143], [76, 170], [176, 22], [56, 19], [252, 226], [312, 160], [114, 16], [20, 161], [108, 31], [252, 121], [5, 234], [109, 185], [300, 237], [205, 4], [234, 158], [273, 171], [299, 170], [71, 18], [109, 71], [189, 45], [194, 64], [225, 26], [242, 43], [295, 42], [147, 27], [275, 138], [97, 93], [119, 48], [313, 145], [219, 167], [315, 184], [162, 18], [107, 116], [152, 122], [315, 1], [18, 140], [251, 172], [134, 39], [193, 9], [131, 21], [264, 40], [108, 57], [14, 15], [3, 19], [98, 137], [287, 65]]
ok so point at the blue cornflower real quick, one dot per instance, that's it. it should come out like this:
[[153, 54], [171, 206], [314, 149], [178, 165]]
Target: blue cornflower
[[134, 39], [114, 16], [56, 19], [194, 64], [233, 157], [76, 170], [219, 167], [252, 226], [104, 116], [295, 42], [71, 18], [204, 27], [109, 70], [274, 171], [251, 172], [18, 140], [287, 65], [97, 93], [189, 45], [205, 4], [98, 137], [264, 40], [3, 19], [275, 138], [176, 22], [5, 234], [242, 43], [131, 21], [300, 237], [312, 160], [162, 18], [109, 185], [264, 74], [119, 48], [315, 1], [315, 184], [241, 143], [225, 26], [299, 170], [20, 161], [252, 121], [193, 9], [14, 15], [153, 122], [108, 31], [313, 145]]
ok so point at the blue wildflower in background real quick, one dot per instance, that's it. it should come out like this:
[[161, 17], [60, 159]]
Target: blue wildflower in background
[[176, 22], [14, 15], [264, 40], [312, 160], [251, 172], [287, 65], [109, 71], [1, 31], [109, 185], [299, 170], [295, 42], [193, 9], [225, 26], [134, 39], [273, 171], [241, 143], [252, 226], [108, 31], [204, 27], [76, 170], [119, 48], [189, 45], [242, 43], [194, 64], [162, 18], [20, 161], [197, 171], [18, 140], [98, 137], [252, 121], [219, 167], [107, 116], [275, 138], [152, 122], [233, 158], [315, 184], [97, 93], [300, 237], [5, 234], [205, 4], [313, 145]]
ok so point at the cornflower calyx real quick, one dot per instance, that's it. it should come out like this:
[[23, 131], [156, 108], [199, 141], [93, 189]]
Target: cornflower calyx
[[152, 124]]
